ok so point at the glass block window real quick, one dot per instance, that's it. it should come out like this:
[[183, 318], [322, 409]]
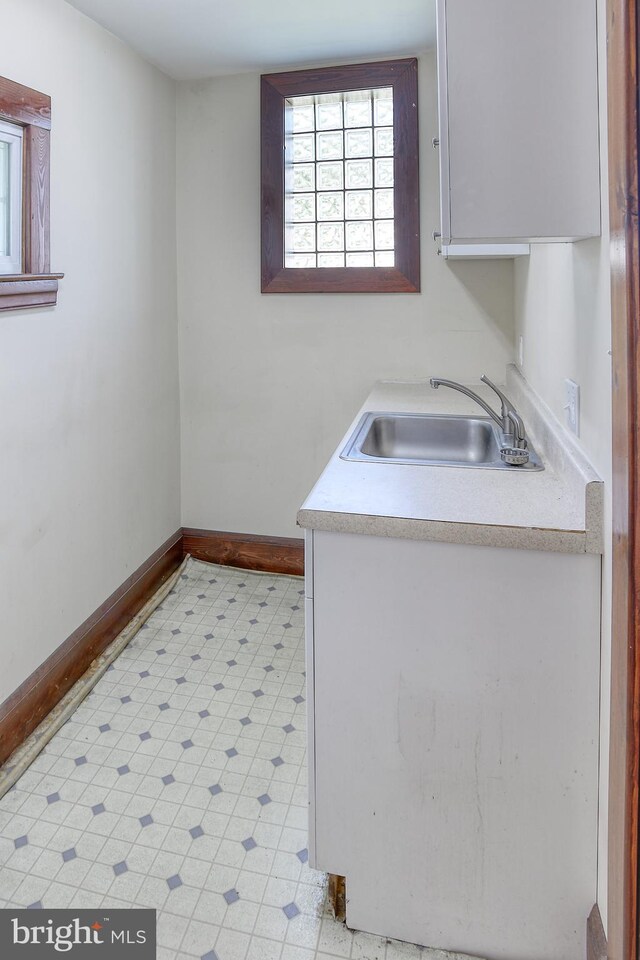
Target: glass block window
[[339, 197], [339, 179]]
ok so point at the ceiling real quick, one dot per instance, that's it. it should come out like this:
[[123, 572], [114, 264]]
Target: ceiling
[[191, 39]]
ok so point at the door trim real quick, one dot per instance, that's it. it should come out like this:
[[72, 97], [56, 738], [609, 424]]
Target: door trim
[[622, 102]]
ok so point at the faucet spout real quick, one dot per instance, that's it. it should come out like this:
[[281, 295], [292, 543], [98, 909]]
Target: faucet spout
[[439, 382], [514, 438]]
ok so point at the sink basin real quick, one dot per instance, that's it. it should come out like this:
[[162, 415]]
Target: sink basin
[[434, 439]]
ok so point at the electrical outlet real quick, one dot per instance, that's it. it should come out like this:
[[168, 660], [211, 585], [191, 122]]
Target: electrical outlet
[[572, 406], [521, 352]]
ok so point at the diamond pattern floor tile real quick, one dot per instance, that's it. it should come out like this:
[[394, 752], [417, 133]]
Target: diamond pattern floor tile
[[180, 783]]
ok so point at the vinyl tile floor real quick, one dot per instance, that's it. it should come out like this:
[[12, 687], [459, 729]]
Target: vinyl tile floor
[[180, 784]]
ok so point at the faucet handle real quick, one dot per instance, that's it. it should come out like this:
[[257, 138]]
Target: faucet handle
[[510, 416], [506, 403]]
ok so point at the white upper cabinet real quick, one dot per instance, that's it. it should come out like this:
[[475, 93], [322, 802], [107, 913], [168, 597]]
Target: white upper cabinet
[[518, 122]]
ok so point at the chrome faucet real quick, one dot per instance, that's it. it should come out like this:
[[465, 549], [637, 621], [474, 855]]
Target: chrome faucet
[[513, 438]]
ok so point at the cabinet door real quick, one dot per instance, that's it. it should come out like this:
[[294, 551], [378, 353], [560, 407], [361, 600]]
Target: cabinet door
[[518, 120], [456, 741]]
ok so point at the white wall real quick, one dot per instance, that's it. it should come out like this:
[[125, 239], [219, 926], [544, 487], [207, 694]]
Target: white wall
[[270, 382], [89, 422], [563, 312]]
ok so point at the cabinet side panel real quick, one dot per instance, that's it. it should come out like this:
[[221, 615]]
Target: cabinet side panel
[[523, 119], [311, 747], [310, 663], [443, 122], [308, 563], [456, 701]]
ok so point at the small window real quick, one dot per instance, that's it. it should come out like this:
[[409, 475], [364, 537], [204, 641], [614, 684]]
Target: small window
[[10, 198], [26, 279], [340, 179]]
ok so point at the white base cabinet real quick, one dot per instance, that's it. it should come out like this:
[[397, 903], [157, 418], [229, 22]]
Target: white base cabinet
[[453, 700]]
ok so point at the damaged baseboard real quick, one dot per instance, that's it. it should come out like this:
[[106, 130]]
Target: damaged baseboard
[[27, 706], [267, 554], [23, 711]]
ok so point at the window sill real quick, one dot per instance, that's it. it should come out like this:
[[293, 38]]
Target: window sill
[[340, 280], [22, 290]]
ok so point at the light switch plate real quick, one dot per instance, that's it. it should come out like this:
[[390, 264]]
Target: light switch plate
[[572, 406]]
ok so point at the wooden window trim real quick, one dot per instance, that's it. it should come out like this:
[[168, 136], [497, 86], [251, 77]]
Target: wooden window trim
[[36, 286], [402, 75]]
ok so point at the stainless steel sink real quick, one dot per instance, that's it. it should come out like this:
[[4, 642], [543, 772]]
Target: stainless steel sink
[[447, 440]]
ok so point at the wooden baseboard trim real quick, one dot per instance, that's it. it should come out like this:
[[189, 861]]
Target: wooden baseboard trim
[[251, 552], [27, 706], [596, 939]]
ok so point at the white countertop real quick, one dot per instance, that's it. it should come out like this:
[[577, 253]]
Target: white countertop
[[558, 508]]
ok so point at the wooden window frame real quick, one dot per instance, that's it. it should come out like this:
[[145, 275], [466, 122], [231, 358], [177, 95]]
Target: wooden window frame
[[36, 286], [404, 277]]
